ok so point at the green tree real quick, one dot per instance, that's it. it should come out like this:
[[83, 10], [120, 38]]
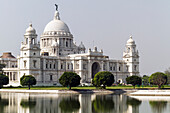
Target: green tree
[[103, 79], [69, 79], [145, 80], [28, 80], [167, 72], [1, 67], [158, 78], [134, 80], [4, 80]]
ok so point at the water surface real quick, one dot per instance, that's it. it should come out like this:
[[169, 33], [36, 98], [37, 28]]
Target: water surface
[[81, 103]]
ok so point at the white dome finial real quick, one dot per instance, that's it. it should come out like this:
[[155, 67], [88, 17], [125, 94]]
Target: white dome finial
[[56, 15], [30, 24], [30, 29], [131, 37]]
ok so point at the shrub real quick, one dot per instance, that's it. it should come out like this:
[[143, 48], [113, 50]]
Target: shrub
[[134, 80], [69, 79], [103, 79], [28, 80], [4, 80], [158, 78]]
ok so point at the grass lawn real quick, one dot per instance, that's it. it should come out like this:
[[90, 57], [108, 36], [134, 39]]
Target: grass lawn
[[65, 88]]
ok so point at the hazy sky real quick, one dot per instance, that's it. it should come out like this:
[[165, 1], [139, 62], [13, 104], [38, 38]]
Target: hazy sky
[[108, 23]]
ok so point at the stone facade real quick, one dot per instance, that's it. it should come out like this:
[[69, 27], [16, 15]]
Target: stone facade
[[57, 53]]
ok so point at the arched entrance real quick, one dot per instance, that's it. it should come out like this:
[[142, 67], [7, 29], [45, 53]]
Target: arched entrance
[[95, 68]]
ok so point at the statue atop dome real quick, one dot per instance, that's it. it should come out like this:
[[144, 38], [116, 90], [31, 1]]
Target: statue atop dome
[[56, 7]]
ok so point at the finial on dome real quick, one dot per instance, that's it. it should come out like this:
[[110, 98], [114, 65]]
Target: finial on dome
[[30, 24], [56, 7], [56, 15], [131, 37]]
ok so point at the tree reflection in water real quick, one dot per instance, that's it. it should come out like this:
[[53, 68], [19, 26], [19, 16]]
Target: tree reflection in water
[[102, 104], [69, 105], [3, 104], [158, 106], [30, 103], [135, 103]]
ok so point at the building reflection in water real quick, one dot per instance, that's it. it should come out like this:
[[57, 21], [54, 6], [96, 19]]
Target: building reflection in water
[[66, 103]]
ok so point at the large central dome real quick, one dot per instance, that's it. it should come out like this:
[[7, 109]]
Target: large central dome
[[56, 25]]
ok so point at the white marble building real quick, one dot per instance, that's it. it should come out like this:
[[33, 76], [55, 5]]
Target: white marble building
[[57, 53]]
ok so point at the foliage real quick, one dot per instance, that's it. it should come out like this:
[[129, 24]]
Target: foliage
[[69, 79], [133, 102], [28, 80], [102, 104], [3, 104], [167, 72], [145, 80], [69, 105], [158, 78], [1, 67], [4, 80], [103, 79], [158, 106], [28, 103], [134, 80]]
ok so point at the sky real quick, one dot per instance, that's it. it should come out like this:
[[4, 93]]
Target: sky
[[107, 24]]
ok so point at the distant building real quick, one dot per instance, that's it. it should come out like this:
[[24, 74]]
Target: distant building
[[57, 53]]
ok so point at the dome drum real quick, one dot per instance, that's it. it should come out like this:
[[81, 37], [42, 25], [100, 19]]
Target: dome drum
[[57, 33]]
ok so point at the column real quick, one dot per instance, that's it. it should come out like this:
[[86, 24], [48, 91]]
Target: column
[[81, 67]]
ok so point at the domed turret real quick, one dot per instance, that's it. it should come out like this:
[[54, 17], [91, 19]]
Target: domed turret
[[30, 30], [81, 48], [81, 45], [130, 41]]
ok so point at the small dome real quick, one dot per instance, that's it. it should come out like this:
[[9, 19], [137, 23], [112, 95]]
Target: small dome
[[81, 45], [130, 41], [56, 24], [30, 30]]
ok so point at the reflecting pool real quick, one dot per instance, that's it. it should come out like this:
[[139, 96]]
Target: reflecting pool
[[81, 103]]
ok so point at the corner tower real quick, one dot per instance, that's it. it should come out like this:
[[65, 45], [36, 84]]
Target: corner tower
[[29, 59], [131, 57]]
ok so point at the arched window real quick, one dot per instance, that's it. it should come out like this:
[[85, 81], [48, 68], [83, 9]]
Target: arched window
[[51, 77], [46, 66], [25, 64], [61, 66], [34, 63], [33, 41], [68, 66], [128, 50], [14, 77], [26, 40], [50, 66], [119, 68], [66, 44], [71, 65]]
